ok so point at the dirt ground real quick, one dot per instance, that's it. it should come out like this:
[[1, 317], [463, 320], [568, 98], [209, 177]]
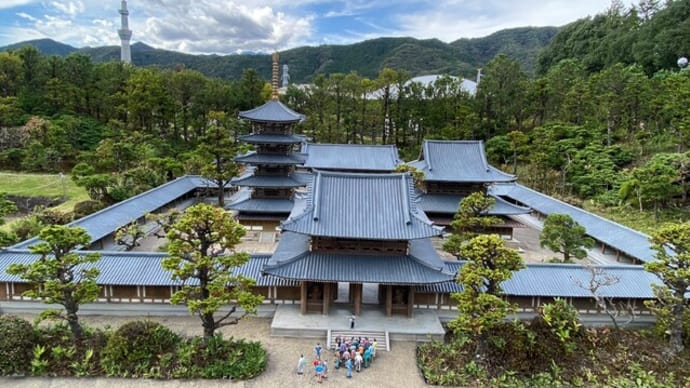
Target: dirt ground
[[396, 368]]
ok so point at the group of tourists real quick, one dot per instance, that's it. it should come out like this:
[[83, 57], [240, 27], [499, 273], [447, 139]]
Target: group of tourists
[[352, 354]]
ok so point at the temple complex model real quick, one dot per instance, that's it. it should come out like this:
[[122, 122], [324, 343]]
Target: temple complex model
[[455, 169], [267, 188], [125, 34], [355, 229]]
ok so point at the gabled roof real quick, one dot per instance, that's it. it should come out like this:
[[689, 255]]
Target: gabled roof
[[362, 206], [631, 242], [458, 161], [272, 111], [243, 202], [250, 180], [448, 204], [255, 158], [105, 221], [293, 260], [351, 157], [138, 269], [566, 281], [272, 138]]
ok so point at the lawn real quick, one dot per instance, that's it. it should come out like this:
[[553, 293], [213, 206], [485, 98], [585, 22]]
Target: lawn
[[43, 185]]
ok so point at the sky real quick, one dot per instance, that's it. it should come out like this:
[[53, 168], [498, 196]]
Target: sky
[[230, 26]]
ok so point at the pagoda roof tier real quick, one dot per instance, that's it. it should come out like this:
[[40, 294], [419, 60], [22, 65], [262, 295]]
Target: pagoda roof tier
[[272, 138], [351, 157], [257, 158], [293, 180], [458, 161], [272, 111], [362, 206], [448, 204], [293, 260], [243, 202]]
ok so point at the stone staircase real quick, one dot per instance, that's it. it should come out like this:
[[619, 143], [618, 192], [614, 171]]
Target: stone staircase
[[382, 338]]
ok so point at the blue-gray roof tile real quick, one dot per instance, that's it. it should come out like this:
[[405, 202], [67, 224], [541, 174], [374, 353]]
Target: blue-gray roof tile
[[272, 138], [362, 206], [351, 157], [457, 161], [292, 180], [256, 158], [272, 111], [448, 204], [566, 281], [103, 222], [631, 242]]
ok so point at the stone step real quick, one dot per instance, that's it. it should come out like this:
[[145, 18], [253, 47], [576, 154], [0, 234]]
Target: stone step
[[382, 337]]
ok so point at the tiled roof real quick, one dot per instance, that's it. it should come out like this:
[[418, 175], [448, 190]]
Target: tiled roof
[[243, 202], [272, 138], [457, 161], [631, 242], [251, 180], [566, 280], [105, 221], [448, 204], [138, 268], [351, 157], [362, 206], [293, 260], [272, 111], [256, 158]]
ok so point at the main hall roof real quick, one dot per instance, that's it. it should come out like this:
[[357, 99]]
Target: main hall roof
[[351, 157], [362, 206]]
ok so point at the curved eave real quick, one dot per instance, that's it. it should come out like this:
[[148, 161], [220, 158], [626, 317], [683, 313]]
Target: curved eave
[[255, 158], [272, 139], [272, 112], [330, 267], [270, 181]]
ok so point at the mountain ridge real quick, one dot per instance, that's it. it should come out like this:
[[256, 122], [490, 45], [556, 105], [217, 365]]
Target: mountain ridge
[[416, 56]]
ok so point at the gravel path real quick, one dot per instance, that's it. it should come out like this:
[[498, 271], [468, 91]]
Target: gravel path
[[396, 368]]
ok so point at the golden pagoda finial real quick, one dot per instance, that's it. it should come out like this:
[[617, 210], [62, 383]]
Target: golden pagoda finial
[[274, 80]]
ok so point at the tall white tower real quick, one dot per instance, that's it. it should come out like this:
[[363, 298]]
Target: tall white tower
[[125, 34]]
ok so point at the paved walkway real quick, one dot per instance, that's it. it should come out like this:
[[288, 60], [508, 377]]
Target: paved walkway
[[288, 321]]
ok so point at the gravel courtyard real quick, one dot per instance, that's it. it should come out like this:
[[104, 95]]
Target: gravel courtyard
[[396, 368]]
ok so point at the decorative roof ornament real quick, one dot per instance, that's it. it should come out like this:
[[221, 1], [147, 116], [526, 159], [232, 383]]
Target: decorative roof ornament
[[274, 79]]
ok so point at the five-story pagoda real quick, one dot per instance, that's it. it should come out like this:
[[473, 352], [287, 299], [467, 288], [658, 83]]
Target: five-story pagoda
[[268, 185]]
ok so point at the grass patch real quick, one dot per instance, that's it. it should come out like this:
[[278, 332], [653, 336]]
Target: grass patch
[[44, 185], [643, 221]]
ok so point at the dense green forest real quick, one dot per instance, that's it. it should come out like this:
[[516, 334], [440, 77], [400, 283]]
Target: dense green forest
[[368, 58], [615, 135]]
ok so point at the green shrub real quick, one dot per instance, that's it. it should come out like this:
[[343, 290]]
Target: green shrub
[[136, 349], [64, 357], [84, 208], [564, 322], [16, 346], [218, 358]]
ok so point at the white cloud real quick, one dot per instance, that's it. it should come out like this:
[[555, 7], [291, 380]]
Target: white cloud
[[453, 19], [219, 26], [7, 4], [26, 16], [71, 8]]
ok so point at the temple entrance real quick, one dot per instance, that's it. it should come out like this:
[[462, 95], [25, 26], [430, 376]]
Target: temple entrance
[[353, 295]]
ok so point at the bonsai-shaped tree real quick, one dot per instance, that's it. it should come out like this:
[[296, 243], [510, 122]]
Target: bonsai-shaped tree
[[60, 275], [672, 265], [201, 244], [471, 219], [480, 304], [564, 235]]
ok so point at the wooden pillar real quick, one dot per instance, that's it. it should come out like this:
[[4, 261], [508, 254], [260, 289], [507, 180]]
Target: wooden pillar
[[410, 302], [303, 298], [389, 300], [327, 287], [357, 296]]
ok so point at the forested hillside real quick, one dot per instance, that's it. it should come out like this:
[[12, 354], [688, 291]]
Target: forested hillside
[[615, 136], [367, 58]]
